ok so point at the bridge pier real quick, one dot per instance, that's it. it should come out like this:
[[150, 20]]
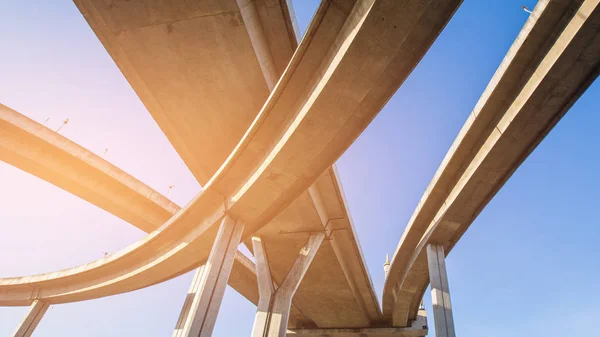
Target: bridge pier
[[201, 306], [273, 309], [32, 319], [440, 292]]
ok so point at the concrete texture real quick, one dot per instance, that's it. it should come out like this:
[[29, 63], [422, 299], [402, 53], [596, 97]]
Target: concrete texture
[[38, 150], [197, 66], [339, 264], [440, 291], [366, 332], [200, 310], [221, 74], [273, 311], [549, 66], [301, 130], [266, 289], [418, 328], [32, 319], [35, 149]]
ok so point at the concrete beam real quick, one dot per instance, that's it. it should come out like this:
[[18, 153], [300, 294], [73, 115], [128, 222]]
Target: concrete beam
[[274, 304], [220, 57], [79, 171], [32, 319], [339, 229], [275, 161], [366, 332], [39, 151], [550, 65], [201, 307], [266, 288], [440, 292], [259, 41]]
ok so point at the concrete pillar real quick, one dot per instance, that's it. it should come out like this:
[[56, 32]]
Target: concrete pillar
[[32, 319], [187, 304], [273, 310], [440, 292], [259, 41], [201, 306], [266, 288]]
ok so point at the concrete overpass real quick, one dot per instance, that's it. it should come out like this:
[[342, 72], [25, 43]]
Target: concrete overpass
[[267, 168], [337, 81], [203, 70], [549, 66], [48, 155], [40, 151]]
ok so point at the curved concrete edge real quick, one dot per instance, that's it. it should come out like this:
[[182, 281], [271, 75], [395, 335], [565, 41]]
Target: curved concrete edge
[[37, 150], [262, 20], [559, 42], [340, 116], [208, 204], [66, 171], [62, 166], [353, 264], [217, 84], [32, 147]]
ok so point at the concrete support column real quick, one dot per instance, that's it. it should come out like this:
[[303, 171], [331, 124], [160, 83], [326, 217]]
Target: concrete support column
[[440, 292], [201, 306], [32, 319], [274, 305], [259, 41]]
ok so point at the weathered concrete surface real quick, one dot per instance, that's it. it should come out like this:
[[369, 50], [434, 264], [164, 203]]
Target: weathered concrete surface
[[336, 83], [552, 62], [195, 67]]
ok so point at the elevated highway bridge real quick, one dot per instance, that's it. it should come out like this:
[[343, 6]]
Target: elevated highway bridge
[[260, 118]]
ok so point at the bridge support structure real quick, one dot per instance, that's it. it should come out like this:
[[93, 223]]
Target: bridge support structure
[[201, 306], [32, 319], [274, 304], [440, 292]]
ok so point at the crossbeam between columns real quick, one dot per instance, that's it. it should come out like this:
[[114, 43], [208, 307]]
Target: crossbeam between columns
[[273, 310]]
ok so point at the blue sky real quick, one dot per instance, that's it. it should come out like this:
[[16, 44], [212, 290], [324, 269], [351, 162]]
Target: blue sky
[[527, 266]]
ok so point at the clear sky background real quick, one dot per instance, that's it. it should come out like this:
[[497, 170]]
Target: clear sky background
[[528, 266]]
